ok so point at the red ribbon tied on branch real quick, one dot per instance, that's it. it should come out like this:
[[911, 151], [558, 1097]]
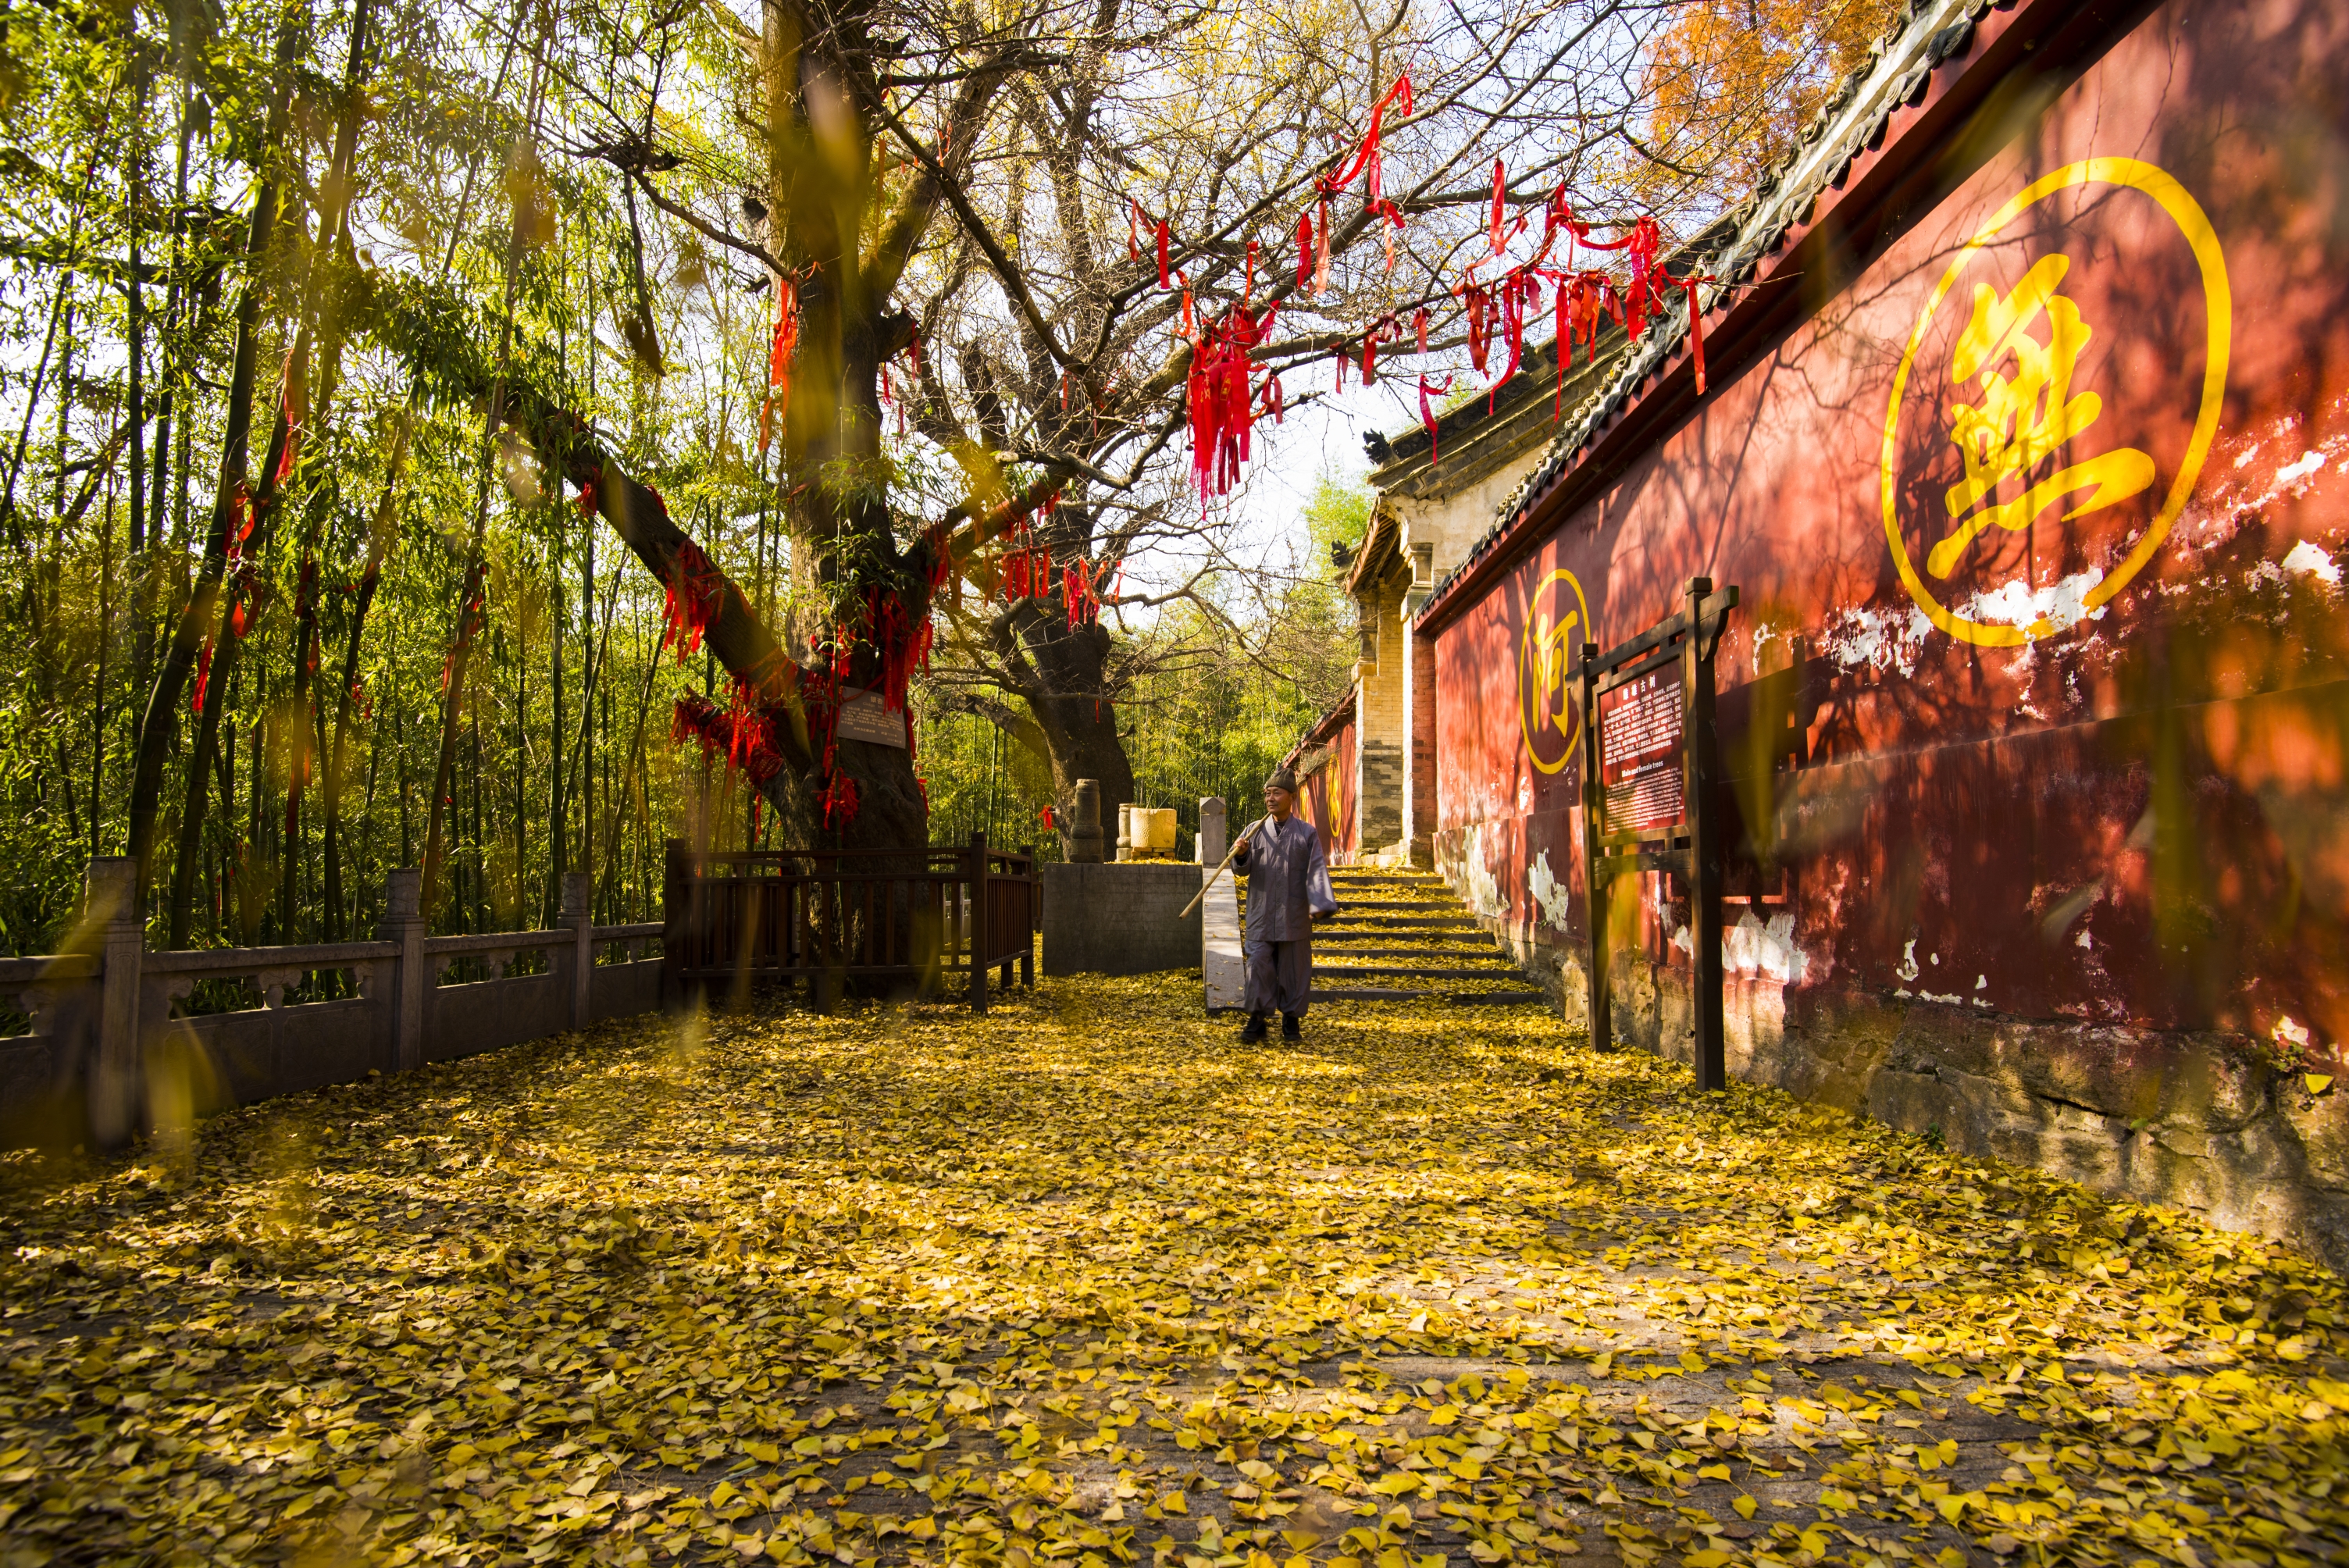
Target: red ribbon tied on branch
[[1645, 294], [743, 731], [779, 354], [1367, 157], [1386, 329], [1427, 417], [1394, 215], [697, 592], [1219, 395]]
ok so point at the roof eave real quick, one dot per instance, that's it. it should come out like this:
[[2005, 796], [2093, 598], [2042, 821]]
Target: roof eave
[[1900, 124]]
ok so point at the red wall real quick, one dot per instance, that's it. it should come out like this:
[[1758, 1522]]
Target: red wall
[[1329, 802], [2132, 811]]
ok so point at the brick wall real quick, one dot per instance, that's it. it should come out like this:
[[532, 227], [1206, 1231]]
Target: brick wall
[[1382, 807], [1382, 725], [1419, 770]]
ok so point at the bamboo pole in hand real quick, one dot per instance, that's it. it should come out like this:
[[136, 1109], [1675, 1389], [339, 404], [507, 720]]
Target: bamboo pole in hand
[[1219, 871]]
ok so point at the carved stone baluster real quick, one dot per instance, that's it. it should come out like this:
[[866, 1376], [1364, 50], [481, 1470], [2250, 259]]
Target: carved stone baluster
[[403, 922]]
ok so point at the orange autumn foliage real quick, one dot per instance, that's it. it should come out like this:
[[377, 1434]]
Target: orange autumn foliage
[[1734, 82]]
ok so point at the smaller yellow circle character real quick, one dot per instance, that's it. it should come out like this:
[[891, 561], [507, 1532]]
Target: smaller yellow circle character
[[1545, 653]]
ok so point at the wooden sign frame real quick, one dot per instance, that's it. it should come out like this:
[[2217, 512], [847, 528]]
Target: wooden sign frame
[[1692, 846]]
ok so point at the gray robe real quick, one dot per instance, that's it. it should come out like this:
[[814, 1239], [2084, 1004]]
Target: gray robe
[[1288, 883]]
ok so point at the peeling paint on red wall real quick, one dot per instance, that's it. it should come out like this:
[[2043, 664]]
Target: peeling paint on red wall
[[2038, 698]]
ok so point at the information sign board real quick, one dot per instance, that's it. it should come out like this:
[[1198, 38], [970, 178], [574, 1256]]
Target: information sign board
[[863, 717], [1641, 727], [1649, 778]]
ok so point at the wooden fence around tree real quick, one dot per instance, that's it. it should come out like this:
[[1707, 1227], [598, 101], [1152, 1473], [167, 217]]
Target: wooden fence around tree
[[872, 919]]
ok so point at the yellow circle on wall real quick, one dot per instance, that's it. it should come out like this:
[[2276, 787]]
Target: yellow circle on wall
[[1546, 715], [2195, 225]]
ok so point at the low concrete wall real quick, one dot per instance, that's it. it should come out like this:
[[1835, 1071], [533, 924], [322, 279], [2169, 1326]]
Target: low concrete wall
[[1120, 918], [2202, 1121]]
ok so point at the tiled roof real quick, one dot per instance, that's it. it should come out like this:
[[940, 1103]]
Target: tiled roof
[[1897, 71]]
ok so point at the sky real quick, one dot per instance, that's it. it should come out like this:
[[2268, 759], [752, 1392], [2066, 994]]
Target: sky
[[1322, 436]]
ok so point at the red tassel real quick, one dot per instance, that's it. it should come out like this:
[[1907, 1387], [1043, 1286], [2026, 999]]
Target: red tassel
[[1161, 253], [1500, 192], [1419, 322], [1305, 248]]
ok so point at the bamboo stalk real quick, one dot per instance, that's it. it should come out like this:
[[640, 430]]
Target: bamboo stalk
[[1219, 871]]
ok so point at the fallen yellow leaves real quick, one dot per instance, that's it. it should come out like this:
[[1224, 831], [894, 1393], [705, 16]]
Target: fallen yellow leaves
[[1083, 1282]]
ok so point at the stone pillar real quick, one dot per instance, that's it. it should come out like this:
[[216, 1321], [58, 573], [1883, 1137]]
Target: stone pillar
[[1124, 830], [982, 946], [403, 922], [1085, 831], [677, 934], [1419, 726], [579, 918], [1213, 830], [110, 913], [1378, 735]]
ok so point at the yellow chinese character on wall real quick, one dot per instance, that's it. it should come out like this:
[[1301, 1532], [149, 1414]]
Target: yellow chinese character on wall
[[2022, 420]]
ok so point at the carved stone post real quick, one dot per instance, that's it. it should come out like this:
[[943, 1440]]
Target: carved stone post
[[111, 917], [403, 922], [1211, 830], [579, 918], [676, 933], [1085, 832], [980, 941]]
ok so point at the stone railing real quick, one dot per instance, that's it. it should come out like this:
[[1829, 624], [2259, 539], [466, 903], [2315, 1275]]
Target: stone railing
[[113, 1044]]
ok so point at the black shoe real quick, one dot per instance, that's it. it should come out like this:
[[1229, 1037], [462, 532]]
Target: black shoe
[[1289, 1029], [1255, 1030]]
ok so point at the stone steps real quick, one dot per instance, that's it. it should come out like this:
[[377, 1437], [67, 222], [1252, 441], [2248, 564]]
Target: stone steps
[[1411, 971], [1404, 926]]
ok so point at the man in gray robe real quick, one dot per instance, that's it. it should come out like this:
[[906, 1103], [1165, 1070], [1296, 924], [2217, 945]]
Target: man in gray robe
[[1288, 890]]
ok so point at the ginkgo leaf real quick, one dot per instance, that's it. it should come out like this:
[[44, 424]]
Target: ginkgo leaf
[[907, 1285]]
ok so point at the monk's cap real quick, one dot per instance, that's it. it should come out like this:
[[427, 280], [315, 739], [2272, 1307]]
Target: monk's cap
[[1282, 778]]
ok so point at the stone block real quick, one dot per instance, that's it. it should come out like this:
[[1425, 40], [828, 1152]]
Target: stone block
[[1121, 918], [1380, 801]]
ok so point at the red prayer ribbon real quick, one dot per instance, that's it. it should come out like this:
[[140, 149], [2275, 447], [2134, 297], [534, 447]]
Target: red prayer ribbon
[[1427, 417]]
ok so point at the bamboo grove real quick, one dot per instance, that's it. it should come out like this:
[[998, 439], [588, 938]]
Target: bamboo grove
[[385, 383]]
